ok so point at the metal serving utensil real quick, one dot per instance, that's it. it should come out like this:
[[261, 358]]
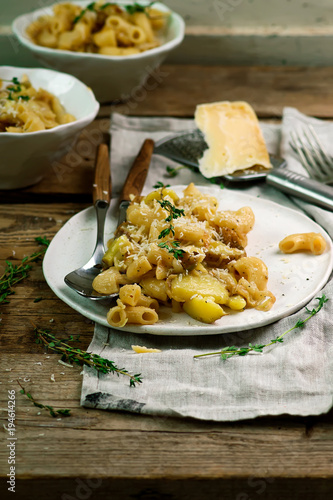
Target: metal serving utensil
[[188, 147], [81, 279]]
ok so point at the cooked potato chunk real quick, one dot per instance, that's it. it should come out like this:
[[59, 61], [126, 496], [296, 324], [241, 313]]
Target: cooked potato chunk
[[183, 287], [203, 309]]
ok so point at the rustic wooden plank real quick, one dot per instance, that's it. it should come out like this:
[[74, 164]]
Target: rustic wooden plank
[[19, 226], [179, 88], [137, 454]]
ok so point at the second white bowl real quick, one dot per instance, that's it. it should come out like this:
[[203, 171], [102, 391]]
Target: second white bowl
[[110, 77], [27, 157]]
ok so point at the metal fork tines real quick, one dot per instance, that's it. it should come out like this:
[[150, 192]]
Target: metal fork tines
[[312, 154]]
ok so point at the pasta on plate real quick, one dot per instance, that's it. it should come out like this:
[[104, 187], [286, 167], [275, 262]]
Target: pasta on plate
[[300, 242], [102, 28], [184, 253], [26, 109]]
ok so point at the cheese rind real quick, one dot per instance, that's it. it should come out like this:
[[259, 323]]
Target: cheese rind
[[234, 139]]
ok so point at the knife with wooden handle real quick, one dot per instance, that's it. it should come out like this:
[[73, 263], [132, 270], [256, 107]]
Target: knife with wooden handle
[[102, 176], [136, 177]]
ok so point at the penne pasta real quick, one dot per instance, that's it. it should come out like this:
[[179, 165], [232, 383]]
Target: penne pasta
[[312, 242], [141, 315], [140, 19], [117, 316]]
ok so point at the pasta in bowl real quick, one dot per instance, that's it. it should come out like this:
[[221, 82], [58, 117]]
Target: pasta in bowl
[[113, 48], [41, 113], [24, 109]]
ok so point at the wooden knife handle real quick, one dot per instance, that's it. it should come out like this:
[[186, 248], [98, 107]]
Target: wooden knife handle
[[137, 175], [102, 176]]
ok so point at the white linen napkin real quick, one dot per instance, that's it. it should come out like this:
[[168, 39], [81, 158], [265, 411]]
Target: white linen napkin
[[295, 377]]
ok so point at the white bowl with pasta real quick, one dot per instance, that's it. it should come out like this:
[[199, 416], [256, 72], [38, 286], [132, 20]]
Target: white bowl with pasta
[[28, 153], [115, 72]]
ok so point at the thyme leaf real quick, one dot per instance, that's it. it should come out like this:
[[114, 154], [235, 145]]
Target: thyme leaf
[[228, 352], [73, 355], [173, 248], [54, 413], [160, 184], [173, 171], [174, 212]]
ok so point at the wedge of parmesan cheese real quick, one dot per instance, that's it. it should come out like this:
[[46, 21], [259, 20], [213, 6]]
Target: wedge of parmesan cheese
[[142, 349], [234, 139]]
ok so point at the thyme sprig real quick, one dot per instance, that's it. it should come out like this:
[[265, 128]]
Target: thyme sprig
[[54, 413], [14, 273], [80, 357], [171, 246], [230, 351]]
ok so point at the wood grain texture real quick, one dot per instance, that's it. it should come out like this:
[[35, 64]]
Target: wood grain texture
[[175, 90], [102, 187], [19, 226], [137, 175]]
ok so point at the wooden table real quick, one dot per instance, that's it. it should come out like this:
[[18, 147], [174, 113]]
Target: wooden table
[[98, 454]]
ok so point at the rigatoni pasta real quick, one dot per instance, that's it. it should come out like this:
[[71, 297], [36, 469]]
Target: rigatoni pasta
[[184, 253], [102, 27]]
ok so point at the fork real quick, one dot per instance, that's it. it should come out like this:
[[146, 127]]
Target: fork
[[319, 166], [312, 155]]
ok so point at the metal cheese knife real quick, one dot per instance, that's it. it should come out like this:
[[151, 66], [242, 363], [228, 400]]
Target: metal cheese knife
[[81, 279]]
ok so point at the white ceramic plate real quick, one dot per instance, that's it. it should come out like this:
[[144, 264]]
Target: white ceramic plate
[[294, 279]]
